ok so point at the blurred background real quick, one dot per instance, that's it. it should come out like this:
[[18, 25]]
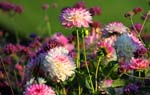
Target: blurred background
[[34, 18]]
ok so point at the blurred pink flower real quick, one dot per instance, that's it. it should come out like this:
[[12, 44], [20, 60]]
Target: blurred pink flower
[[80, 5], [107, 83], [39, 89], [137, 26], [18, 9], [59, 37], [95, 11], [139, 63], [19, 67], [45, 6], [75, 17]]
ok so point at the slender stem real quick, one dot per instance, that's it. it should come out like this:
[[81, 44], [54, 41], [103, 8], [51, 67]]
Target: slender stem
[[49, 28], [96, 73], [135, 76], [7, 76], [136, 29], [131, 19], [114, 67], [143, 24], [79, 89], [84, 51], [16, 79], [63, 91], [48, 23], [16, 32], [139, 73], [78, 50]]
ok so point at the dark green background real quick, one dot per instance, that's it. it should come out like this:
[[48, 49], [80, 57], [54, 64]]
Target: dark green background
[[32, 19]]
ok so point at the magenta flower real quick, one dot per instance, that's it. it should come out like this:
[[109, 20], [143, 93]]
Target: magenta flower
[[18, 9], [75, 17], [80, 5], [95, 11], [139, 63], [39, 89], [137, 26]]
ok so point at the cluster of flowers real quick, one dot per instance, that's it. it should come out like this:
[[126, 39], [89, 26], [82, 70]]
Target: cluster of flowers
[[7, 6], [60, 62]]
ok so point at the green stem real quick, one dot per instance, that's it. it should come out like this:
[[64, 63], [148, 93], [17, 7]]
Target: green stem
[[96, 74], [131, 19], [84, 51], [114, 67], [78, 50], [7, 76], [143, 24], [63, 91], [79, 89], [139, 34], [135, 76], [16, 32], [49, 28]]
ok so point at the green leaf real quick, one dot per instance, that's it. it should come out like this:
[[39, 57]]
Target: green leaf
[[118, 83]]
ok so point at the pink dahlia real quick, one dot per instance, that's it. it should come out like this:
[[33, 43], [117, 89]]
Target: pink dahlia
[[139, 63], [39, 89], [77, 17], [115, 27], [59, 37]]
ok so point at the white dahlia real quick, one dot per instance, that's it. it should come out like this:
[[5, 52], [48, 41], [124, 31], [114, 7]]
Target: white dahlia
[[58, 64]]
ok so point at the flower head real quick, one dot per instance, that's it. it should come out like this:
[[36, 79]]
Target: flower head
[[39, 89], [137, 10], [80, 5], [115, 27], [95, 11], [131, 89], [75, 17], [126, 45], [109, 50], [139, 63], [58, 64], [137, 27]]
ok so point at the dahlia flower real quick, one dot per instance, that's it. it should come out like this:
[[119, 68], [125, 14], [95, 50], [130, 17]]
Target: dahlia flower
[[139, 63], [75, 17], [126, 45], [39, 89], [58, 64], [115, 27]]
